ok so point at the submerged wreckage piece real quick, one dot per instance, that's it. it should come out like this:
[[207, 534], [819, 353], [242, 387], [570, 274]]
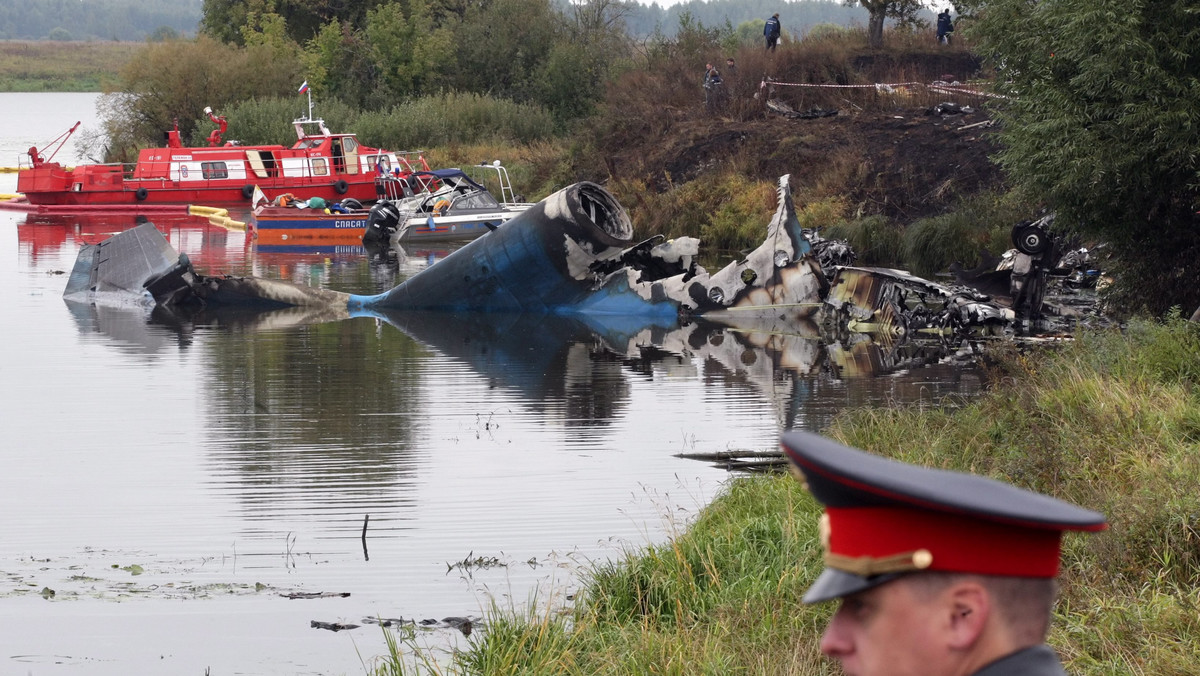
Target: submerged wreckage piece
[[139, 266], [572, 253]]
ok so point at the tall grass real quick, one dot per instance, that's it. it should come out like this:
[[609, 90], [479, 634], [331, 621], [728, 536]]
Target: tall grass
[[443, 120], [875, 239], [457, 118], [980, 222], [1111, 422]]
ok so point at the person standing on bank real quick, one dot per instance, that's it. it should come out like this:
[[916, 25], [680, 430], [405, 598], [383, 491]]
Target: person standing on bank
[[771, 31], [939, 573], [712, 87], [945, 26]]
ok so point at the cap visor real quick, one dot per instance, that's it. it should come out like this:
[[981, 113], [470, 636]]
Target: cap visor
[[833, 583]]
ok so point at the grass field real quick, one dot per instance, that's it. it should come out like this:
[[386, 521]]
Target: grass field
[[44, 66]]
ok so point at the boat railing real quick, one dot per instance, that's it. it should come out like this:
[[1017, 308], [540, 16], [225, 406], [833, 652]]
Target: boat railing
[[507, 195], [24, 162], [391, 187]]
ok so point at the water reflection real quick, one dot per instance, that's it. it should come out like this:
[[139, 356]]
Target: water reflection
[[43, 238], [573, 369]]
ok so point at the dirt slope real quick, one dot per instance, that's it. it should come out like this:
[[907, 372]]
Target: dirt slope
[[905, 163]]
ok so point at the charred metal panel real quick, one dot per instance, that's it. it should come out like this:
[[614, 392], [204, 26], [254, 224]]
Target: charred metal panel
[[894, 303]]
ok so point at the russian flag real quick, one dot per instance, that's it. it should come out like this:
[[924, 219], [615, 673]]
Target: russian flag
[[304, 87]]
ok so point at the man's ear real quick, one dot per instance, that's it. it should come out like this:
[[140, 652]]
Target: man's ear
[[970, 608]]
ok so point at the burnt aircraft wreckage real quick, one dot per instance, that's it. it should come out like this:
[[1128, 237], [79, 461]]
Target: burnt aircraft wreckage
[[572, 255]]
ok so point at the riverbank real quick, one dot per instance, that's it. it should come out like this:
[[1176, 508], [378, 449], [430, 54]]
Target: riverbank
[[1111, 421], [49, 66]]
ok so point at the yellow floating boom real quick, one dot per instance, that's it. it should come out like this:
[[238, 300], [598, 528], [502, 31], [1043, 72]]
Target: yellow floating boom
[[217, 216]]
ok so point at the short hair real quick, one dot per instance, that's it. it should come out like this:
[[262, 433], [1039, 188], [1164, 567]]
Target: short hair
[[1023, 604]]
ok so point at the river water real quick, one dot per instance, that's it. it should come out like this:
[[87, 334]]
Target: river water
[[166, 484]]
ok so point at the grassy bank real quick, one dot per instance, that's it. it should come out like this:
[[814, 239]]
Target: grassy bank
[[1111, 422], [46, 66]]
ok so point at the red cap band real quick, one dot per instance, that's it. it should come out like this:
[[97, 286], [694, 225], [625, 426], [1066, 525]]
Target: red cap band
[[958, 543]]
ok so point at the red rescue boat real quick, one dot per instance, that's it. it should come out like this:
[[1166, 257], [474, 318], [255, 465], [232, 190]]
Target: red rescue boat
[[320, 164]]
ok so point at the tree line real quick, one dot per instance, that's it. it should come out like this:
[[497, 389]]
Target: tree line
[[122, 20], [798, 18]]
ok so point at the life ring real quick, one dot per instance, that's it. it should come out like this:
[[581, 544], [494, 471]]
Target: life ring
[[141, 194], [341, 186], [247, 191]]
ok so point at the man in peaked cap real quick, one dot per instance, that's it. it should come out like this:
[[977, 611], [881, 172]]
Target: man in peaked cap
[[939, 573]]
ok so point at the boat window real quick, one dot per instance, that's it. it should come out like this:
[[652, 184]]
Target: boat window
[[349, 144], [479, 200], [214, 170], [319, 167]]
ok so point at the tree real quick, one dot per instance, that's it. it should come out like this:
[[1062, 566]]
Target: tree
[[904, 12], [339, 64], [223, 19], [176, 79], [409, 53], [501, 44], [1103, 126], [163, 33], [750, 32]]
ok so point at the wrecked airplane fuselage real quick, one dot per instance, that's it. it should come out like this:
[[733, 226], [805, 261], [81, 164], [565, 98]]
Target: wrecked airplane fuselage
[[570, 254], [573, 253]]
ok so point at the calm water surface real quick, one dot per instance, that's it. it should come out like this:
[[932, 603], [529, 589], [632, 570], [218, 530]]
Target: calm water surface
[[169, 479]]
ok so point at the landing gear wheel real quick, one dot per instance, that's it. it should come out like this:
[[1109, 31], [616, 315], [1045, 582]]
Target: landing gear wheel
[[1030, 240]]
